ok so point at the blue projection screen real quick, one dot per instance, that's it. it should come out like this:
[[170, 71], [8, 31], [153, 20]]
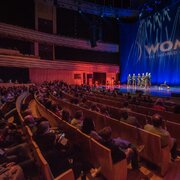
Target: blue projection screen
[[152, 45]]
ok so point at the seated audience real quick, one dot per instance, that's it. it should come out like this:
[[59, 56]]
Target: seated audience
[[125, 106], [129, 119], [94, 107], [166, 139], [56, 109], [47, 141], [77, 121], [44, 137], [104, 111], [88, 128], [159, 105], [120, 148], [11, 171], [10, 135], [66, 116]]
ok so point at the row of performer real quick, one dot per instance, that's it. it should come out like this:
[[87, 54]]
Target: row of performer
[[143, 80]]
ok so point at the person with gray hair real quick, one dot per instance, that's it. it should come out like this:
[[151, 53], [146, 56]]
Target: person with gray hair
[[166, 139]]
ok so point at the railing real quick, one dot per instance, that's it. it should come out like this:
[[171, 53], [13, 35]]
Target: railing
[[7, 60], [32, 35]]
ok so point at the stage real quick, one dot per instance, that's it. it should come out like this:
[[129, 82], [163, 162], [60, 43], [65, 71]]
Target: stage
[[153, 90]]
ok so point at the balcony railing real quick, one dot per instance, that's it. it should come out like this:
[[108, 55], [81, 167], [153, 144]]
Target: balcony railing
[[32, 62], [36, 36]]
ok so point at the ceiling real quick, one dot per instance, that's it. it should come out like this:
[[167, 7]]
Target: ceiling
[[132, 4]]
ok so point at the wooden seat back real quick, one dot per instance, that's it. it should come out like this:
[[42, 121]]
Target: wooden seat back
[[153, 151], [102, 158], [67, 175], [97, 118], [45, 113], [123, 130], [174, 130], [43, 166]]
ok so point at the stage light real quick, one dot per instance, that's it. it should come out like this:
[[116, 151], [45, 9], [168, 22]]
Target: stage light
[[117, 18], [102, 15]]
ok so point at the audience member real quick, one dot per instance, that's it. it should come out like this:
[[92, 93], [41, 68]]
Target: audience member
[[159, 105], [77, 121], [125, 107], [129, 119], [66, 116], [120, 148], [88, 128], [166, 139]]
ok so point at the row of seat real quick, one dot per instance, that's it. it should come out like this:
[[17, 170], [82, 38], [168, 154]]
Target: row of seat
[[43, 167], [95, 153], [172, 127], [137, 108], [152, 152]]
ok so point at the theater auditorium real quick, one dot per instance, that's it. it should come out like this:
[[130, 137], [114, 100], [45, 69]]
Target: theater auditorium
[[90, 89]]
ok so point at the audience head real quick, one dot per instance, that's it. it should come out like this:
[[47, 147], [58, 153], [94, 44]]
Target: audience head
[[29, 120], [78, 115], [53, 107], [94, 107], [103, 109], [27, 112], [43, 127], [124, 114], [24, 107], [66, 116], [159, 102], [88, 125], [84, 100], [106, 133], [157, 120], [74, 101], [125, 104]]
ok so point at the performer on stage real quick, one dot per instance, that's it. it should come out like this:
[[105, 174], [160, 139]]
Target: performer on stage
[[147, 80], [142, 80], [139, 79], [134, 80], [129, 80]]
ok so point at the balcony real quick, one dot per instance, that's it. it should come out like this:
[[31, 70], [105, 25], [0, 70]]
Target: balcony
[[36, 36]]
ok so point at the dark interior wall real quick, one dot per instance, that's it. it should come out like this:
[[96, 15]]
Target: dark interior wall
[[80, 25], [70, 23], [18, 12], [99, 77], [24, 47], [86, 55], [14, 73], [46, 51], [45, 25]]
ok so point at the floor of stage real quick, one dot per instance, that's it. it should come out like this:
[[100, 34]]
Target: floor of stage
[[153, 90]]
